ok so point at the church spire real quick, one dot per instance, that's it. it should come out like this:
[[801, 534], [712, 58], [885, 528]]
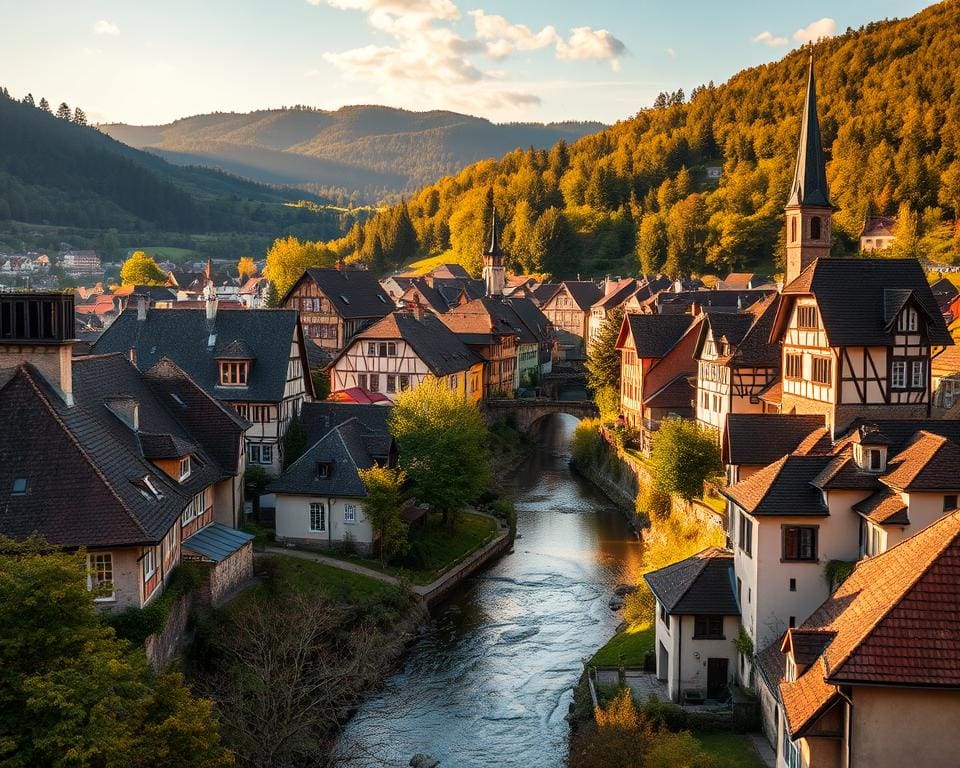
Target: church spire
[[809, 212], [810, 176], [493, 272]]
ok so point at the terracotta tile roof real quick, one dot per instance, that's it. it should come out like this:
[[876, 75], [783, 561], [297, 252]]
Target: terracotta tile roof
[[701, 584], [773, 393], [762, 438], [896, 621], [782, 488], [842, 473], [884, 508], [480, 321], [930, 463], [737, 280]]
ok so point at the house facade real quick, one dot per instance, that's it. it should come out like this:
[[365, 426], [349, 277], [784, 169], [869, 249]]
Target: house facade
[[401, 351], [569, 309], [336, 304], [481, 326]]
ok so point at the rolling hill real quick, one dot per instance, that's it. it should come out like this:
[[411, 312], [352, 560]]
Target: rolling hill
[[638, 195], [367, 152]]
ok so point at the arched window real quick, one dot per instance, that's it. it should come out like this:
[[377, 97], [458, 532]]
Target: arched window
[[793, 229], [815, 228]]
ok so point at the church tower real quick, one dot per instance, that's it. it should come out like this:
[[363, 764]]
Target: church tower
[[809, 212], [493, 272]]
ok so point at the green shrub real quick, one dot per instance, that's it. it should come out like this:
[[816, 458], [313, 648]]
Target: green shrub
[[136, 624], [587, 444], [653, 503], [684, 455], [665, 714], [640, 606]]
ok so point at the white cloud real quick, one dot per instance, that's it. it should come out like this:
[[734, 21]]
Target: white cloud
[[825, 27], [91, 51], [770, 39], [104, 27], [588, 43], [670, 52], [506, 37]]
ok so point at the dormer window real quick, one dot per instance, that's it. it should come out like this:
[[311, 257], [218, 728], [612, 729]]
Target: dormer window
[[807, 317], [323, 470], [148, 481], [908, 320], [184, 468], [870, 458], [234, 373], [19, 486], [791, 669]]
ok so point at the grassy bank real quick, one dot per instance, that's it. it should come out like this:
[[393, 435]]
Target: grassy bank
[[729, 750], [627, 648]]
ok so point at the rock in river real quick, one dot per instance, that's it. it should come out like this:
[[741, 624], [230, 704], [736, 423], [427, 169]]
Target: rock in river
[[423, 761]]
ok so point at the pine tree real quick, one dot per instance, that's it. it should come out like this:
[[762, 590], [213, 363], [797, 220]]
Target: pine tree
[[63, 111], [28, 100], [79, 116], [44, 104]]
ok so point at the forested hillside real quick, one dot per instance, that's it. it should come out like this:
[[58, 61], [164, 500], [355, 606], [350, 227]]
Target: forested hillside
[[356, 154], [638, 191], [55, 172]]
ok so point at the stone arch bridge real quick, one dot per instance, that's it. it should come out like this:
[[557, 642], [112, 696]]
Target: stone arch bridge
[[526, 412]]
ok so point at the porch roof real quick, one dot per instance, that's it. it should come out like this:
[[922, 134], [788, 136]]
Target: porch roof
[[216, 542]]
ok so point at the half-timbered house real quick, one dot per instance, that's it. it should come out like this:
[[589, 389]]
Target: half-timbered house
[[568, 309], [736, 361], [401, 351], [856, 337], [253, 360], [336, 304], [480, 324]]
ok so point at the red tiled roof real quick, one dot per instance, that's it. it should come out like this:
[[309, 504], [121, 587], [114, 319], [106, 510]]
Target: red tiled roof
[[929, 463]]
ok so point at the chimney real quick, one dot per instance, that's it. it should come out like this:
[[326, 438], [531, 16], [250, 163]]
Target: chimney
[[141, 308], [416, 308], [38, 328], [132, 353], [609, 286], [210, 302]]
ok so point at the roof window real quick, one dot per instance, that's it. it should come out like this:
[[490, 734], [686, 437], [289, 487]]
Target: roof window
[[148, 481], [344, 299], [19, 486]]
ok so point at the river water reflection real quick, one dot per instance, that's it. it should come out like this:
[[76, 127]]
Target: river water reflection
[[490, 684]]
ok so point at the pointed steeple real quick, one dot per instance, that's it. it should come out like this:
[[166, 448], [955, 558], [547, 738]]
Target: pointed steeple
[[493, 273], [810, 176], [493, 252]]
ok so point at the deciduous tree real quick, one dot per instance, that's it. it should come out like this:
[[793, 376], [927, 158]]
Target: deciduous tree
[[246, 267], [288, 258], [383, 506], [141, 269], [683, 456]]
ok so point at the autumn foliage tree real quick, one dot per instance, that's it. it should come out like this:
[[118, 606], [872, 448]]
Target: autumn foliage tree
[[383, 506], [246, 267], [141, 269], [288, 258]]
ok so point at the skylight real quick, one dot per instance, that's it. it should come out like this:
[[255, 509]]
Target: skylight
[[382, 300], [177, 399], [19, 486], [153, 489], [344, 299]]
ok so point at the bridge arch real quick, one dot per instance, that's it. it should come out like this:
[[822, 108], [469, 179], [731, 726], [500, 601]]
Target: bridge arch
[[527, 412]]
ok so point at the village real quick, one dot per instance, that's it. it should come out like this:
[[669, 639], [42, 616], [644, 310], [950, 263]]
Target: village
[[292, 508]]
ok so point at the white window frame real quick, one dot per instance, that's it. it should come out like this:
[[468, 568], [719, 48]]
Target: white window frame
[[898, 374], [350, 513], [149, 564], [319, 509], [185, 468], [92, 575], [907, 321], [917, 374]]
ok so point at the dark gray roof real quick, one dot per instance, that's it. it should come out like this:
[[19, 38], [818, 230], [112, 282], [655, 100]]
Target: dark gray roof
[[531, 316], [319, 418], [85, 467], [700, 585], [217, 542], [183, 335], [810, 176], [762, 438], [854, 294], [719, 299], [655, 335], [164, 446], [585, 293], [318, 358], [344, 451], [353, 293]]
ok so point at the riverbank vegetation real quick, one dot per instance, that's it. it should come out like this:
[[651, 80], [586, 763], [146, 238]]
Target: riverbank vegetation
[[287, 660]]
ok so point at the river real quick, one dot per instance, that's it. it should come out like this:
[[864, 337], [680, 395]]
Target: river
[[490, 683]]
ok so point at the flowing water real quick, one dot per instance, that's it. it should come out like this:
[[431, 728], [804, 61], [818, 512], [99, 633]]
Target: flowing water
[[491, 682]]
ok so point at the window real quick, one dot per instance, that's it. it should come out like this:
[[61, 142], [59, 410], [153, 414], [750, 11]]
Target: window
[[794, 366], [917, 378], [350, 513], [907, 320], [391, 383], [791, 754], [807, 317], [872, 539], [259, 454], [708, 627], [815, 228], [233, 374], [149, 563], [793, 229], [452, 381], [241, 409], [374, 382], [362, 380], [404, 382], [193, 510], [318, 517], [371, 349], [745, 539], [100, 577], [391, 349], [793, 585], [184, 468], [382, 349], [799, 543], [950, 502], [874, 459], [821, 370], [323, 469], [663, 615], [898, 374], [19, 486]]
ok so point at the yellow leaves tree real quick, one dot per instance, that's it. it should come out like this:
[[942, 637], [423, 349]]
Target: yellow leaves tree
[[288, 258], [246, 267], [141, 269]]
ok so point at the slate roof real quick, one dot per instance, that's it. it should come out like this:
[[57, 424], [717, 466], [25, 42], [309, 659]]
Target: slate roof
[[762, 438], [785, 487], [676, 393], [852, 295], [809, 185], [584, 293], [85, 468], [344, 450], [944, 292], [655, 335], [895, 621], [700, 585], [353, 293], [544, 292], [183, 336], [216, 541], [421, 290], [437, 346], [878, 225], [320, 417], [624, 290], [531, 316], [719, 300]]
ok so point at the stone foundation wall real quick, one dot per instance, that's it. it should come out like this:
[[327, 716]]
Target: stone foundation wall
[[227, 576], [163, 646], [322, 544]]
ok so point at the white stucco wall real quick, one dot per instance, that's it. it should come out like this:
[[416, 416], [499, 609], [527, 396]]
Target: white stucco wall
[[293, 522]]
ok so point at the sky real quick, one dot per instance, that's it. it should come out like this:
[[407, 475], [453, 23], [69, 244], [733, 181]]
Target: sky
[[152, 62]]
